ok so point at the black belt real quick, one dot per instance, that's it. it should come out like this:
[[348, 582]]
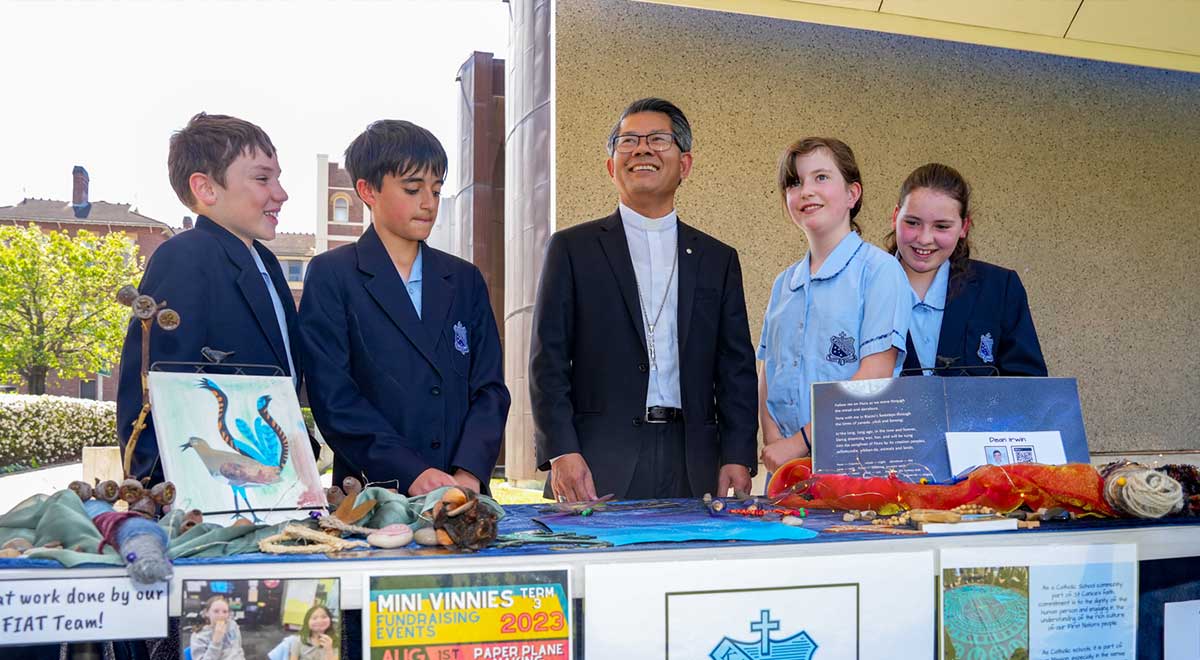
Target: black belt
[[662, 415]]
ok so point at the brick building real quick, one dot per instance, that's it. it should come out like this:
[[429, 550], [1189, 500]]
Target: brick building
[[99, 218]]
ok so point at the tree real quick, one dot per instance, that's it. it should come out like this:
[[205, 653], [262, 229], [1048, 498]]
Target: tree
[[58, 306]]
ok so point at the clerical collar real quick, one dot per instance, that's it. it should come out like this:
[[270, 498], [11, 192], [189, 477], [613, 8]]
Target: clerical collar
[[638, 221]]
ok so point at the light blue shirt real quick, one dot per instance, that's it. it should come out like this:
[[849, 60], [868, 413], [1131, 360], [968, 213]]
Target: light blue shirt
[[413, 283], [818, 327], [927, 317], [653, 247], [280, 318]]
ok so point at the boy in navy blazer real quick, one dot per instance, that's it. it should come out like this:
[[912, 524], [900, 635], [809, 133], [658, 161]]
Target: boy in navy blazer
[[228, 288], [407, 381]]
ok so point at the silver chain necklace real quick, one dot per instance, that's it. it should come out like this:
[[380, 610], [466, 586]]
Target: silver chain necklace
[[642, 303]]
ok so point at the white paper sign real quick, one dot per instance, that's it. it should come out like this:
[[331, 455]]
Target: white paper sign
[[841, 607], [1181, 630], [971, 449], [80, 609], [1046, 602]]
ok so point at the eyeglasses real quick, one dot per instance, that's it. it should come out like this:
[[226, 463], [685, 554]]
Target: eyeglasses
[[627, 142]]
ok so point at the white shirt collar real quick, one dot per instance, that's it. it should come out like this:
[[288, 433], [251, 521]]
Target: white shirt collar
[[635, 220]]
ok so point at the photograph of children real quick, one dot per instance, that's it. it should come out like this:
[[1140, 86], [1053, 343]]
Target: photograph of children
[[292, 619], [1023, 455], [985, 612], [997, 455]]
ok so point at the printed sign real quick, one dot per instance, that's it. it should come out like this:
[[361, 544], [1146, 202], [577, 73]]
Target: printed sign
[[80, 609], [1042, 603], [762, 609], [1181, 630], [968, 450], [513, 615]]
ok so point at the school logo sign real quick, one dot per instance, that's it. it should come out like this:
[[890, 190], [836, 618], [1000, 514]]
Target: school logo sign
[[797, 647], [460, 338], [841, 349], [985, 348]]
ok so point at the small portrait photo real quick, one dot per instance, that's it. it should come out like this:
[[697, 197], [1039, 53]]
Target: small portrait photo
[[997, 455], [290, 619], [1023, 455]]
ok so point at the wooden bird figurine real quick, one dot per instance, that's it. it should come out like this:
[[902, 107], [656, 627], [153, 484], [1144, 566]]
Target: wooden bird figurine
[[236, 471]]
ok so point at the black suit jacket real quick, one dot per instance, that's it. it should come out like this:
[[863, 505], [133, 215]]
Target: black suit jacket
[[393, 393], [207, 275], [588, 360], [986, 302]]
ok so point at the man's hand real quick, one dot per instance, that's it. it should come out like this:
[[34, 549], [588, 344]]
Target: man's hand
[[466, 479], [571, 479], [782, 451], [733, 476], [429, 480]]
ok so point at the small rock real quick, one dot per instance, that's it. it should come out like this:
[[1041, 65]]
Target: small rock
[[18, 544], [426, 536], [793, 521], [9, 553], [849, 517], [869, 515], [391, 536]]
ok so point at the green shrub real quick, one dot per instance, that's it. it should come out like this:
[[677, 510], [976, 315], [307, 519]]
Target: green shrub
[[44, 430]]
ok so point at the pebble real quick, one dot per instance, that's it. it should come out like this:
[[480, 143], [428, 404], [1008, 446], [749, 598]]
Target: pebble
[[793, 521], [426, 536], [391, 536]]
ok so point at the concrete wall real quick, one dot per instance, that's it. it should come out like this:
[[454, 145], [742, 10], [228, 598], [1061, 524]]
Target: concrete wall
[[1084, 173]]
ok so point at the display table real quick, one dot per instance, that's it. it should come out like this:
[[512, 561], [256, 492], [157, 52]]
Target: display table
[[1171, 538]]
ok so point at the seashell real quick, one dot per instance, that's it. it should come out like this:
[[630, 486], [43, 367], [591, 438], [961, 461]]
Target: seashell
[[793, 521], [454, 496], [426, 536], [391, 536], [190, 520], [126, 294], [334, 496], [9, 553], [241, 522], [351, 486], [444, 538]]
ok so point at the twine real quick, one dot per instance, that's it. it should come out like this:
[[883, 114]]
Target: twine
[[1139, 491]]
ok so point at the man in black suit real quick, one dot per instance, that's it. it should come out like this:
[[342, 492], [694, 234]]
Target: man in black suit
[[641, 370]]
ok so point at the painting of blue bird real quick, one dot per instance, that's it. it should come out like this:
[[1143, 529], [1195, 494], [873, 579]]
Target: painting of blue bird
[[265, 445], [222, 435]]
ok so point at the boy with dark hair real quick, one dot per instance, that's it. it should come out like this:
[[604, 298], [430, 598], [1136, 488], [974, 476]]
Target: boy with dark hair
[[228, 288], [406, 377]]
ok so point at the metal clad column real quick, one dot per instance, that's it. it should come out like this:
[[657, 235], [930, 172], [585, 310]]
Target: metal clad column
[[529, 123]]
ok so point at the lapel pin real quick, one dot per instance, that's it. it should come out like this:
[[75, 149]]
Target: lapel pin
[[689, 250]]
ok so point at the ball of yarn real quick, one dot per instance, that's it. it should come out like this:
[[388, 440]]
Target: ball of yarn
[[1138, 491]]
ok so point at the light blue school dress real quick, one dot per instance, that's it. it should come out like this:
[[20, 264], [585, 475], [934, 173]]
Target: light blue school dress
[[818, 327]]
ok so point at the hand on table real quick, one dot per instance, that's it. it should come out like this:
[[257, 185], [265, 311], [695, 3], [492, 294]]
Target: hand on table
[[571, 479]]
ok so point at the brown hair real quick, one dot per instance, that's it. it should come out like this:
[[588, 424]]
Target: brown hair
[[843, 156], [209, 144], [946, 180], [199, 625]]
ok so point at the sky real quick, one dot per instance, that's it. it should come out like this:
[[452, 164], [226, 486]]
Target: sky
[[104, 83]]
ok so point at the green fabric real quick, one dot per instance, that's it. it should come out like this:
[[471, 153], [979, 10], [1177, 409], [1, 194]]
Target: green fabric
[[60, 517]]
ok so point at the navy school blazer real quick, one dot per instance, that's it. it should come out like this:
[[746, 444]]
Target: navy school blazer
[[987, 316], [207, 275], [393, 393]]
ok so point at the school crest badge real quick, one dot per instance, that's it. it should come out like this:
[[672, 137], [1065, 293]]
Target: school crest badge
[[985, 348], [799, 646], [460, 338], [841, 349]]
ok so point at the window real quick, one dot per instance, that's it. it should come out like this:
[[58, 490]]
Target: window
[[88, 389], [341, 210], [295, 270]]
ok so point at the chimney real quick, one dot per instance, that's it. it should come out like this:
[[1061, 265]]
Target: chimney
[[187, 222], [79, 192]]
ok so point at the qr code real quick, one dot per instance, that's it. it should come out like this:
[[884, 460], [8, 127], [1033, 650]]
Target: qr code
[[1023, 455]]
